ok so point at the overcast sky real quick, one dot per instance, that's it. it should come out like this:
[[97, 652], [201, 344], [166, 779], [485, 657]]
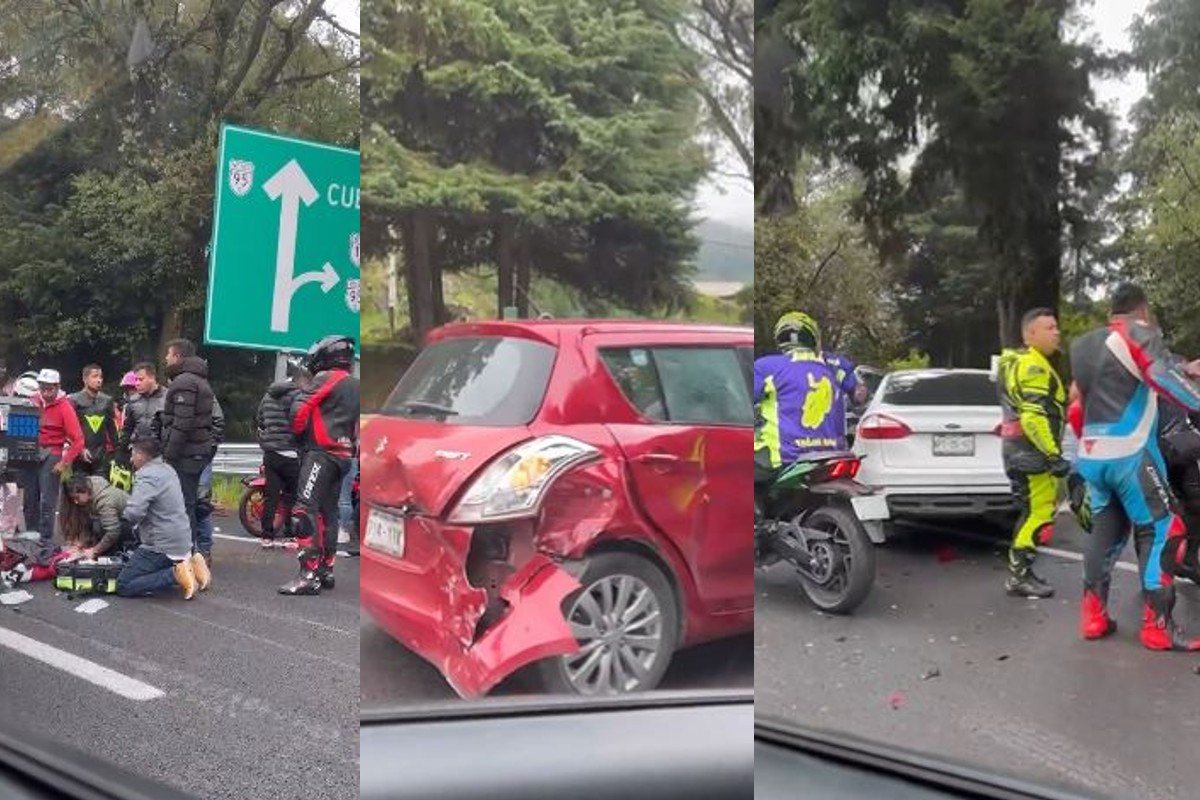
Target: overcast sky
[[345, 12], [1111, 19], [727, 199]]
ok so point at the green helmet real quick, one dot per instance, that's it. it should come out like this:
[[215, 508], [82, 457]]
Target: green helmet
[[797, 329]]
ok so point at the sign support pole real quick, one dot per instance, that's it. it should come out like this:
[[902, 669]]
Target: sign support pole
[[280, 366]]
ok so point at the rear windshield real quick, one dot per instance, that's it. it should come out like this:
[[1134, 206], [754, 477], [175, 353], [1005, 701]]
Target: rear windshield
[[475, 381], [871, 380], [954, 389]]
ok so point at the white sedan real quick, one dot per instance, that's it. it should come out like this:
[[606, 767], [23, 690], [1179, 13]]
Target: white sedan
[[930, 446]]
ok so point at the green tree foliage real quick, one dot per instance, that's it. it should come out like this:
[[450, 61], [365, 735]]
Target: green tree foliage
[[944, 288], [1163, 210], [537, 135], [106, 164], [991, 93], [818, 260]]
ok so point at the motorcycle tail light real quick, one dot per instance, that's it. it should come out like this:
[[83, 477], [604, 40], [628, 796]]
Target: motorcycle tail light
[[844, 469]]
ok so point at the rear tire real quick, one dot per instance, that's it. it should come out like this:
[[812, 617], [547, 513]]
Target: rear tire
[[861, 574], [639, 587]]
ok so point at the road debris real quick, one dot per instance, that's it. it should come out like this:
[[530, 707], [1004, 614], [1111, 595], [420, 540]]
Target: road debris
[[91, 606], [15, 598]]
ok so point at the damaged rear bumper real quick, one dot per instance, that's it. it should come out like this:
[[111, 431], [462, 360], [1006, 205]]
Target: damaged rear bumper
[[426, 602]]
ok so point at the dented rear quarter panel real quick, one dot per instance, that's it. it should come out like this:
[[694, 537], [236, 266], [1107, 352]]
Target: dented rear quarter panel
[[425, 600]]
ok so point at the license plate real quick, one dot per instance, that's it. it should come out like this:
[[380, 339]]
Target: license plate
[[954, 444], [385, 533]]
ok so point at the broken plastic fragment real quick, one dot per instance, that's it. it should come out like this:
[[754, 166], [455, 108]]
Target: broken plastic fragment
[[15, 598], [91, 606]]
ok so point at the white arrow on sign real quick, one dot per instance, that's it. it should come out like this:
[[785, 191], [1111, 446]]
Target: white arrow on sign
[[292, 187]]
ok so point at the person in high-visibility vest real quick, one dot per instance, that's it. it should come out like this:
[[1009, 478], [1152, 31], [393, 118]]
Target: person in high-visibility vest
[[1033, 399]]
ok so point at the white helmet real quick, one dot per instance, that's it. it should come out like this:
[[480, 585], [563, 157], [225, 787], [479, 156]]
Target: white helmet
[[26, 385]]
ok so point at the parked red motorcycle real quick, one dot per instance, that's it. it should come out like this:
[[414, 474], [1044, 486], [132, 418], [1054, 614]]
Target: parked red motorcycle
[[253, 504]]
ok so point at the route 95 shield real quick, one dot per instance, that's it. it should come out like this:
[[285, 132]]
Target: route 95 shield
[[241, 177]]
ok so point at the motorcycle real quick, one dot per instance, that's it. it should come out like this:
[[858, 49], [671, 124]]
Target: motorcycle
[[806, 514], [252, 505]]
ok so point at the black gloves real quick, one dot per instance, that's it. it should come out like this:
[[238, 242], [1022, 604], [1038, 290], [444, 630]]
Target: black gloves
[[1059, 467]]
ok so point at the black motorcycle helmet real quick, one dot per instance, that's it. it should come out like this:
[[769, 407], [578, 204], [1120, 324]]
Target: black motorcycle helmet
[[330, 352]]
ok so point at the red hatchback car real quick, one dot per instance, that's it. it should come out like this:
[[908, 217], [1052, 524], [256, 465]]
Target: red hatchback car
[[574, 496]]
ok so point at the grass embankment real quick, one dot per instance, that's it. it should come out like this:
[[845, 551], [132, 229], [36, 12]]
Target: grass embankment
[[473, 293], [227, 493]]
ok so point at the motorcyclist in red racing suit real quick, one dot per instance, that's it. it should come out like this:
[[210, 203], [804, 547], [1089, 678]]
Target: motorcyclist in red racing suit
[[1121, 370], [325, 417]]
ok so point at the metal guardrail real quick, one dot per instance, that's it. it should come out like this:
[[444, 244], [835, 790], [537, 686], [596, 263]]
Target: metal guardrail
[[237, 459]]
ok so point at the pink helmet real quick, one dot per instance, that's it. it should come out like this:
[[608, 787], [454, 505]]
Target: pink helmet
[[130, 379]]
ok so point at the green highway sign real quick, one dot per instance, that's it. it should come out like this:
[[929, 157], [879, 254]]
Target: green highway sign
[[284, 263]]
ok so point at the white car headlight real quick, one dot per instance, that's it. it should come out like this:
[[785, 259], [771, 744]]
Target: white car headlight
[[514, 484]]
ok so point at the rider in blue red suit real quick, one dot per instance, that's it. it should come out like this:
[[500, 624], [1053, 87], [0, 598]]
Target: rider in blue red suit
[[325, 418], [1120, 371]]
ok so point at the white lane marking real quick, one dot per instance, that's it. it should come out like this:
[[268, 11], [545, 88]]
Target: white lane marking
[[234, 537], [251, 540], [90, 671], [1072, 556]]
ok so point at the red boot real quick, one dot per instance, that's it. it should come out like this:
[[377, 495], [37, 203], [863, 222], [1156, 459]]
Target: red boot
[[1094, 622], [1159, 631]]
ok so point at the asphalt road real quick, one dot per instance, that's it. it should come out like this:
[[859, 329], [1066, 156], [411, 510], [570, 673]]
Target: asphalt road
[[940, 660], [257, 694], [392, 676]]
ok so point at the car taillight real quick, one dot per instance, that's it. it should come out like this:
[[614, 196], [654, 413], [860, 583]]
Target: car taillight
[[881, 426], [996, 431], [844, 469], [512, 486]]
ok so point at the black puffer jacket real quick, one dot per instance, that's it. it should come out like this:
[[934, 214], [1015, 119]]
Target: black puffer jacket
[[142, 418], [187, 415], [273, 421]]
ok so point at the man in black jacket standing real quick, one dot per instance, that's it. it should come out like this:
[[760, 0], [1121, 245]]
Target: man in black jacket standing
[[281, 457], [325, 417], [142, 412], [187, 424]]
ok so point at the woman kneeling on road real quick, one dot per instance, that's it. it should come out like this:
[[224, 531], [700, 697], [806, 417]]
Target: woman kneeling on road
[[164, 560], [90, 518]]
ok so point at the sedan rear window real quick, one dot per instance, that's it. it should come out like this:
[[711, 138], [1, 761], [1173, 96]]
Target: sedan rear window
[[475, 381], [949, 389]]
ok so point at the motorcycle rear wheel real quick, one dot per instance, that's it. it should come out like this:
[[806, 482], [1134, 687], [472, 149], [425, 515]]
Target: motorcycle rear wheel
[[850, 544]]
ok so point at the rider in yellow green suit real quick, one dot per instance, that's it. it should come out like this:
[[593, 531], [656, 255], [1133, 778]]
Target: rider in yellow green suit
[[1033, 400]]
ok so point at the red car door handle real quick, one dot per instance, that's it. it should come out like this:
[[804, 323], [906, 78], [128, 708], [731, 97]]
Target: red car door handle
[[661, 459]]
